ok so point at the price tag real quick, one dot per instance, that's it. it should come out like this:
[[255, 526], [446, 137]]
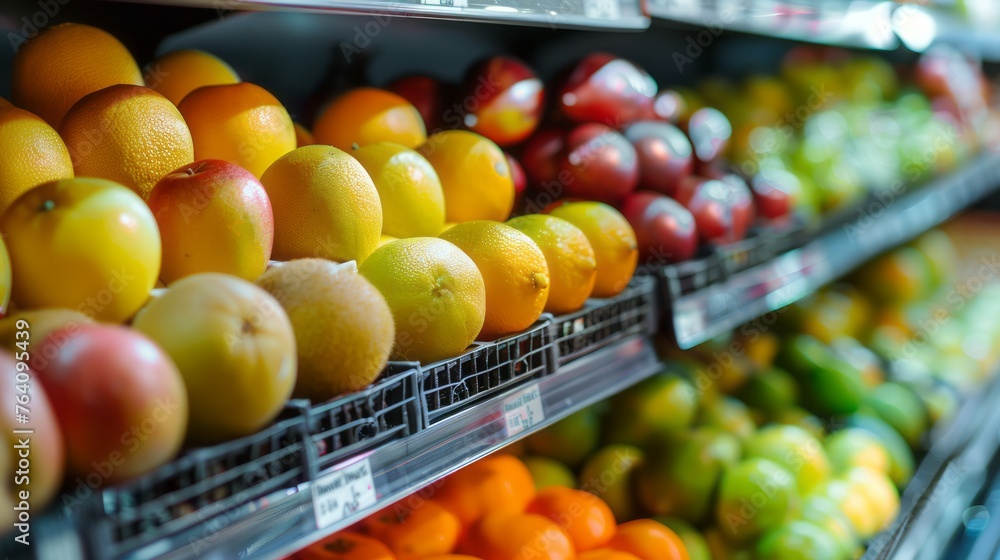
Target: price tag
[[602, 9], [523, 410], [342, 493]]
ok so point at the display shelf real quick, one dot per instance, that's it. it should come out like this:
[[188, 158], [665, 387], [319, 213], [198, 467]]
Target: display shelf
[[598, 14], [849, 23], [885, 222], [277, 525], [919, 27]]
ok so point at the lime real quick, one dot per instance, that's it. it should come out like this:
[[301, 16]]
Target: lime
[[902, 409], [824, 513], [901, 462], [549, 472], [755, 496], [795, 449], [657, 406], [608, 474], [770, 390], [854, 447], [729, 415], [798, 540], [569, 440]]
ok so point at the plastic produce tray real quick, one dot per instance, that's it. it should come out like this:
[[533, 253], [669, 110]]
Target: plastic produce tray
[[387, 410], [689, 276], [746, 253], [202, 490], [486, 369], [604, 321]]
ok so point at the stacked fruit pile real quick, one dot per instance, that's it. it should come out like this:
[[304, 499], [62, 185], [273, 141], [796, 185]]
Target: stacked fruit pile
[[173, 238], [497, 509]]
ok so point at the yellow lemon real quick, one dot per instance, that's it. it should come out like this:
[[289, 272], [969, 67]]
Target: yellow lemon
[[474, 173], [31, 153], [408, 186], [613, 241], [569, 256]]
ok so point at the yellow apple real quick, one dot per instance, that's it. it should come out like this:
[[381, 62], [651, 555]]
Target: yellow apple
[[234, 347], [90, 245]]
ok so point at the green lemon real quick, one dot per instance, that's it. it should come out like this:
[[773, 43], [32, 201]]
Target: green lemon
[[658, 406], [795, 449], [609, 473], [798, 540], [549, 472], [755, 496], [854, 447], [569, 440]]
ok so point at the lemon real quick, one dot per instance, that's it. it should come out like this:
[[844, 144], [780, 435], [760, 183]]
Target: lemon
[[31, 153], [569, 256], [325, 205], [343, 327], [513, 269], [436, 295], [611, 237], [408, 187]]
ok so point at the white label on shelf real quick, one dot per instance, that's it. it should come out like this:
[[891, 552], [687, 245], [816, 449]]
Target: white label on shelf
[[342, 493], [523, 410], [602, 9]]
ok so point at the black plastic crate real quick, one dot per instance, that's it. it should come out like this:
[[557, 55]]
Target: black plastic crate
[[690, 276], [387, 410], [203, 490], [746, 253], [604, 321], [486, 369]]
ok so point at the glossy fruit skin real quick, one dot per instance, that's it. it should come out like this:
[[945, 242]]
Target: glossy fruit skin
[[122, 377], [436, 294], [47, 452], [775, 193], [709, 131], [53, 71], [31, 153], [213, 216], [365, 115], [648, 540], [723, 211], [754, 496], [417, 532], [127, 134], [798, 540], [495, 484], [514, 271], [240, 123], [569, 257], [665, 155], [601, 164], [795, 449], [518, 177], [325, 205], [408, 188], [611, 237], [652, 409], [85, 244], [621, 462], [229, 336], [346, 546], [178, 73], [5, 279], [506, 536], [584, 517], [605, 89], [474, 175], [426, 95], [540, 157], [508, 99], [665, 231]]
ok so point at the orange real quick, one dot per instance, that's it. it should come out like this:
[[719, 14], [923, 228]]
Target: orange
[[57, 68], [648, 540], [474, 174], [613, 241], [569, 256], [366, 115], [408, 186], [606, 554], [179, 73], [240, 123], [586, 519], [513, 269], [127, 134], [414, 533], [325, 205], [451, 557], [498, 483], [31, 153], [517, 536], [302, 136], [435, 292], [85, 244], [345, 546], [4, 104]]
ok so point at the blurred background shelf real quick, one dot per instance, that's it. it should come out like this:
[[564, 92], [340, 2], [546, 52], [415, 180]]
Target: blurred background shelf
[[881, 224]]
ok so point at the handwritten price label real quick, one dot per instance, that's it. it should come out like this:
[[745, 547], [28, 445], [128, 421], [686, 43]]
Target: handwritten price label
[[342, 493], [523, 410]]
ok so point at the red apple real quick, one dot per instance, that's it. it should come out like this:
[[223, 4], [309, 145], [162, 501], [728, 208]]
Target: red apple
[[668, 106], [664, 229], [723, 211], [42, 474], [424, 93], [540, 155], [598, 164], [709, 131], [519, 178], [120, 401], [665, 155], [503, 99], [775, 192], [213, 216], [608, 90]]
